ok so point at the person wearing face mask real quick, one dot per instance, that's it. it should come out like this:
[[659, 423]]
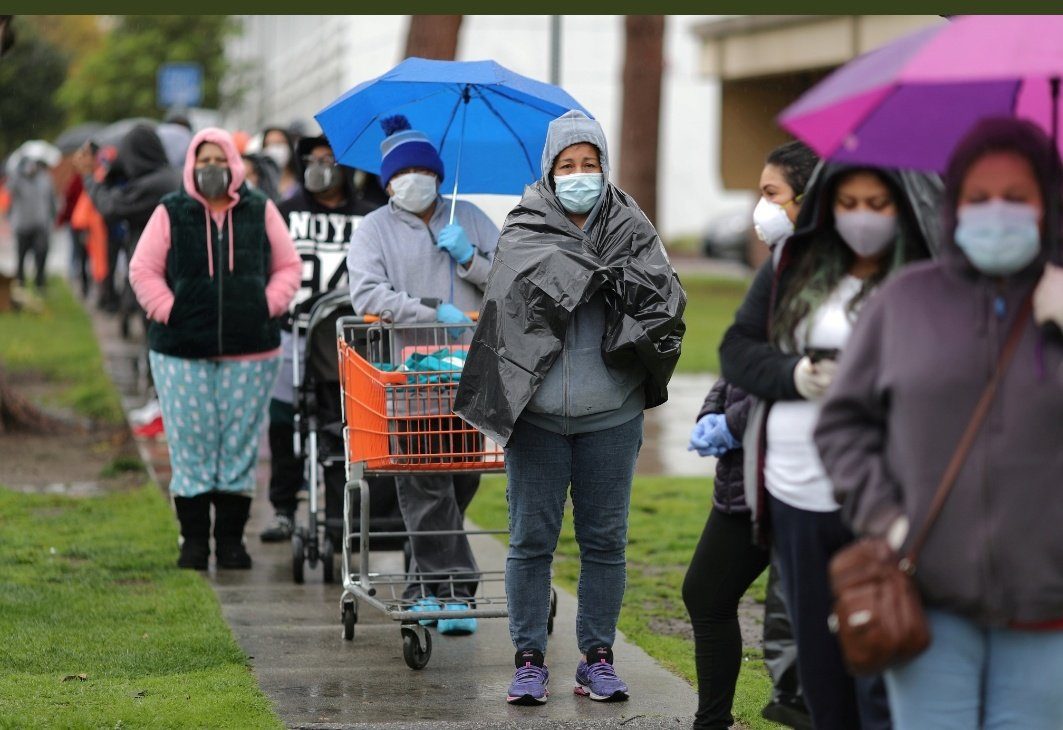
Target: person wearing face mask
[[917, 362], [214, 269], [407, 260], [786, 172], [579, 333], [321, 218], [276, 144], [856, 227], [727, 559]]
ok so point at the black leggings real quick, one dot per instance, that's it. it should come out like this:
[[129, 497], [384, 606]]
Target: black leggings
[[724, 565]]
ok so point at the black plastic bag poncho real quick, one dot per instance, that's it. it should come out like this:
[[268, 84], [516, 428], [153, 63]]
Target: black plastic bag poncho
[[545, 267]]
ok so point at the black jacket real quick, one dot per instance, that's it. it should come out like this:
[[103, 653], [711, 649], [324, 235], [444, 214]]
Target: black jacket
[[140, 176], [322, 241], [730, 400], [544, 268]]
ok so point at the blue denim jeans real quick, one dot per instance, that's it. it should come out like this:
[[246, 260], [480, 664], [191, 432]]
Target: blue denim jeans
[[540, 466], [973, 677]]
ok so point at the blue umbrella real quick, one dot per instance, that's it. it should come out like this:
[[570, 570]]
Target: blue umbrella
[[496, 117]]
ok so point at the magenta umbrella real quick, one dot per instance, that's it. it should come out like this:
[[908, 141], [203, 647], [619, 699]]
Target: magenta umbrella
[[908, 103]]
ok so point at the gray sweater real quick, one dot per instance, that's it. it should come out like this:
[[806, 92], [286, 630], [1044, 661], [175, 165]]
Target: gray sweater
[[917, 362], [33, 203], [394, 265]]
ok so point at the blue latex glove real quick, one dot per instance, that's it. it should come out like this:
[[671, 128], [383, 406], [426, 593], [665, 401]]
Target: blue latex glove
[[449, 314], [453, 240], [711, 437]]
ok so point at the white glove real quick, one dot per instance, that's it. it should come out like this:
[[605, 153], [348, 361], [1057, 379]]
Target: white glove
[[813, 379], [1048, 296]]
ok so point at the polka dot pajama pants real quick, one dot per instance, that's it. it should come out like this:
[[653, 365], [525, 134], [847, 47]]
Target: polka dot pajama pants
[[213, 411]]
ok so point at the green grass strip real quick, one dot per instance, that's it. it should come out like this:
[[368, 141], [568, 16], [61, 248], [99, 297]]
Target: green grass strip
[[666, 520], [711, 305], [89, 587], [59, 344]]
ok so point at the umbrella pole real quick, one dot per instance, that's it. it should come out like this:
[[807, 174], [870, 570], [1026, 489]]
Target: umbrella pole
[[461, 144]]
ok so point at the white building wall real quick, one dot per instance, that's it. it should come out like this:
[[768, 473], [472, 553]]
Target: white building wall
[[298, 64]]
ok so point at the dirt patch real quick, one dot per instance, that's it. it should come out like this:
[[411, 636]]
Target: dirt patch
[[750, 621], [74, 464]]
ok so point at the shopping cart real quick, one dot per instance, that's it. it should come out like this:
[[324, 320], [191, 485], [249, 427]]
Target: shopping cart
[[398, 419]]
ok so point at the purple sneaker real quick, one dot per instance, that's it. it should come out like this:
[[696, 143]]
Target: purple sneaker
[[597, 679], [530, 679]]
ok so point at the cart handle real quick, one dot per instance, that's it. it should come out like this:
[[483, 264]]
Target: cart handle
[[374, 318]]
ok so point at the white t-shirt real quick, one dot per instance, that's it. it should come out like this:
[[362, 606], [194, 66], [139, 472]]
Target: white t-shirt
[[793, 473]]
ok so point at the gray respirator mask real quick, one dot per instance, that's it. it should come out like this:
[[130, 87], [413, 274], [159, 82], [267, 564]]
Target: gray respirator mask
[[320, 177], [213, 181]]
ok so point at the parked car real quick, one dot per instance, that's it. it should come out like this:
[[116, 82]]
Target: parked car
[[728, 234]]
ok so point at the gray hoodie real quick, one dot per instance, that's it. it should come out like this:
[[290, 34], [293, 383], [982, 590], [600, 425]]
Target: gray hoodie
[[580, 393], [394, 265], [33, 202], [916, 364]]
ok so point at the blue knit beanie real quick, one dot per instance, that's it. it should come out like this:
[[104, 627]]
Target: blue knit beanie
[[405, 147]]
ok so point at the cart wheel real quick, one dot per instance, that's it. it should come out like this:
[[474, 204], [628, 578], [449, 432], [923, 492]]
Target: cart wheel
[[350, 618], [297, 557], [415, 655], [328, 563], [553, 611]]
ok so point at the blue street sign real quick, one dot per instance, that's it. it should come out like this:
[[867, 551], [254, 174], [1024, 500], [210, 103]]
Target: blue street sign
[[179, 84]]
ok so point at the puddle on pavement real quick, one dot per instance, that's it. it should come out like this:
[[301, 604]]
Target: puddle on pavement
[[667, 431]]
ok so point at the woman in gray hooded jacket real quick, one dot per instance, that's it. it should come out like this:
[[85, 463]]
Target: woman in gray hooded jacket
[[991, 571], [579, 332]]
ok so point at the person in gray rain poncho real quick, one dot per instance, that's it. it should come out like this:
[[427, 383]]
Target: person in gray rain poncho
[[579, 332]]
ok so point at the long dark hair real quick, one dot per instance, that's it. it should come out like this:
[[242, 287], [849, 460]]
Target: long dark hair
[[826, 259]]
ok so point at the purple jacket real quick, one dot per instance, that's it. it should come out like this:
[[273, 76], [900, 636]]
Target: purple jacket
[[730, 400], [916, 364]]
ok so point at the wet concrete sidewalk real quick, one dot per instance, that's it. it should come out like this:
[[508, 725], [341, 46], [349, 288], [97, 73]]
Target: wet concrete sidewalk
[[316, 679]]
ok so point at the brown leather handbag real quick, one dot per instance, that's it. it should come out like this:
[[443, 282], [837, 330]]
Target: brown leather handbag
[[878, 614]]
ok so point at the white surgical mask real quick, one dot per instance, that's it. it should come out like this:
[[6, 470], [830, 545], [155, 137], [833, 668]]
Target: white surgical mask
[[771, 223], [866, 232], [414, 191], [279, 153], [998, 237], [580, 191]]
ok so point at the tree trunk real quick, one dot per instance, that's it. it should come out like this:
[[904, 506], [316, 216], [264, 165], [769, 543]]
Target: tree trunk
[[18, 414], [641, 113], [433, 36]]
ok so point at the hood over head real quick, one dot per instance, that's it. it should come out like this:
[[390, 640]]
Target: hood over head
[[918, 197], [1025, 139], [571, 128], [236, 170], [236, 163], [139, 153]]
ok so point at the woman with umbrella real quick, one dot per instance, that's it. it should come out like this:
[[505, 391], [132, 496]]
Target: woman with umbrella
[[857, 226], [991, 570], [579, 333]]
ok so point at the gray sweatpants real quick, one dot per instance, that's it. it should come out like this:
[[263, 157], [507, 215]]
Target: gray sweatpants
[[437, 502]]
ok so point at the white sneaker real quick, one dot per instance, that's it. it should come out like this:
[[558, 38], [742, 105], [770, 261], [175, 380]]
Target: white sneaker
[[148, 413]]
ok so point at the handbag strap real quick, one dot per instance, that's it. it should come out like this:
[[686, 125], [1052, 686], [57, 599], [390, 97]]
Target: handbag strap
[[948, 479]]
